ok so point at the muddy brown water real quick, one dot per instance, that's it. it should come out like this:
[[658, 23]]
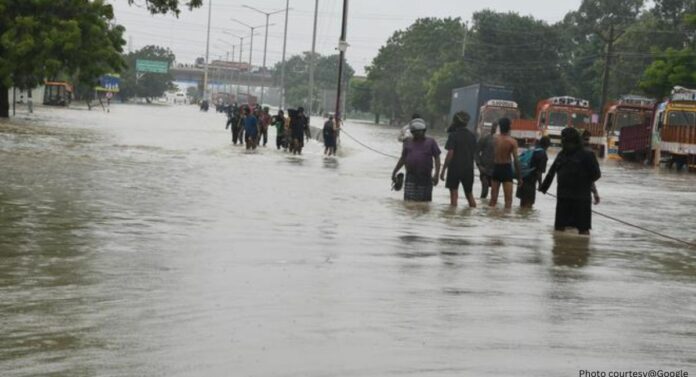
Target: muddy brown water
[[141, 243]]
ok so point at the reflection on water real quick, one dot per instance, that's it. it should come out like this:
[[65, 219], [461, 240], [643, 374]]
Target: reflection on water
[[141, 242], [570, 250]]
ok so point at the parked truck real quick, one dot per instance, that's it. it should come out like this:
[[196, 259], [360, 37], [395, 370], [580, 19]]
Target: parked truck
[[474, 99], [627, 123], [553, 115], [674, 129]]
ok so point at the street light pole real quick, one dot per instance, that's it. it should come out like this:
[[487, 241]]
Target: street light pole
[[342, 46], [311, 59], [265, 44], [251, 49], [207, 50], [282, 67]]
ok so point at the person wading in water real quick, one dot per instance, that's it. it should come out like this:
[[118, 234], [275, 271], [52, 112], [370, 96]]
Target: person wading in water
[[577, 170], [459, 163], [418, 155], [485, 159], [505, 156], [329, 134]]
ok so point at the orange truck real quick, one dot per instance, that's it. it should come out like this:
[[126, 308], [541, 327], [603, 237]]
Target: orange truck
[[492, 111], [556, 113], [674, 129], [628, 123]]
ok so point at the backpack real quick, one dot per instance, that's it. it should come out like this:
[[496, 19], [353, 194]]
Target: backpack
[[526, 161]]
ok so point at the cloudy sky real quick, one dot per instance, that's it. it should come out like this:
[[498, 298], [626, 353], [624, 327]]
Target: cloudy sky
[[371, 23]]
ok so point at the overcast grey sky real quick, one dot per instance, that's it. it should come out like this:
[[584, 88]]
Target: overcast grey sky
[[371, 23]]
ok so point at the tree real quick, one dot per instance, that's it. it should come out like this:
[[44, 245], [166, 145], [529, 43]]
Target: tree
[[297, 77], [399, 74], [519, 52], [671, 68], [360, 97], [149, 85], [608, 19], [165, 6], [42, 39]]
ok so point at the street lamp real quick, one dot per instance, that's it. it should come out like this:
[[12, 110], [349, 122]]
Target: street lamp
[[251, 46], [282, 67], [241, 48], [265, 42]]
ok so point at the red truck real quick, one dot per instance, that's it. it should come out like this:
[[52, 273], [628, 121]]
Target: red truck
[[556, 113], [627, 122]]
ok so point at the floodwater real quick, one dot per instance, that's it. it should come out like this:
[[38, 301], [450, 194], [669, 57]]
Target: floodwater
[[141, 243]]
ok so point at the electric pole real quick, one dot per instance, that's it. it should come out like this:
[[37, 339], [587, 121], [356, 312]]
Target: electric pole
[[207, 50], [282, 66], [311, 59]]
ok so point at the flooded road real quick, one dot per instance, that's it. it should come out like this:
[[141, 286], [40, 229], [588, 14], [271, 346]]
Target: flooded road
[[142, 243]]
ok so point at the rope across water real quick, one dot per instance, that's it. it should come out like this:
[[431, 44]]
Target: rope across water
[[626, 223]]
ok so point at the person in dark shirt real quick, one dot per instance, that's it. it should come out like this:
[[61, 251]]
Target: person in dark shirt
[[329, 134], [299, 129], [527, 192], [459, 163], [577, 169]]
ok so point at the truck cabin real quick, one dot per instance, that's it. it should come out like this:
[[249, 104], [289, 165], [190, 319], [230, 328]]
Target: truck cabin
[[628, 112], [679, 112], [57, 93], [494, 110], [557, 113]]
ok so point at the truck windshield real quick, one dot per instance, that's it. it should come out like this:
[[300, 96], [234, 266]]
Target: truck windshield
[[491, 115], [558, 119], [580, 119], [681, 118], [628, 119]]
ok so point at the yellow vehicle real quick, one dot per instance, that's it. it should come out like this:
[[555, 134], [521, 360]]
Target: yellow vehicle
[[674, 129], [627, 123], [57, 93]]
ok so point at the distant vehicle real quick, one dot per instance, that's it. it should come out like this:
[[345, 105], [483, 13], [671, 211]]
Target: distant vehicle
[[204, 105], [57, 93], [627, 123], [492, 111], [674, 129], [475, 98]]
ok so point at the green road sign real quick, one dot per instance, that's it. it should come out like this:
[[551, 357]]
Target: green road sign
[[154, 66]]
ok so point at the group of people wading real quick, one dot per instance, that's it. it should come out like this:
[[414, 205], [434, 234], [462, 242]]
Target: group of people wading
[[250, 127], [499, 163]]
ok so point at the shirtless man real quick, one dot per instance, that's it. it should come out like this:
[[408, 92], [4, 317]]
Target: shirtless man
[[505, 156]]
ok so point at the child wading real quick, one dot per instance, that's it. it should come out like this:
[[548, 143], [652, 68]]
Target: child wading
[[577, 170], [533, 165]]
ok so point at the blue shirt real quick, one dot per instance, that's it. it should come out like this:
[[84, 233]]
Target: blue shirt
[[250, 124]]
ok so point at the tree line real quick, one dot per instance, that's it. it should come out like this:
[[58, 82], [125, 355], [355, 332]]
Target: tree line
[[604, 49], [50, 40]]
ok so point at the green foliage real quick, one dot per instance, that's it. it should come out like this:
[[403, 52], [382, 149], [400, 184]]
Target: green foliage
[[42, 39], [400, 73], [417, 69], [360, 95], [165, 6], [148, 85], [673, 67], [297, 77]]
